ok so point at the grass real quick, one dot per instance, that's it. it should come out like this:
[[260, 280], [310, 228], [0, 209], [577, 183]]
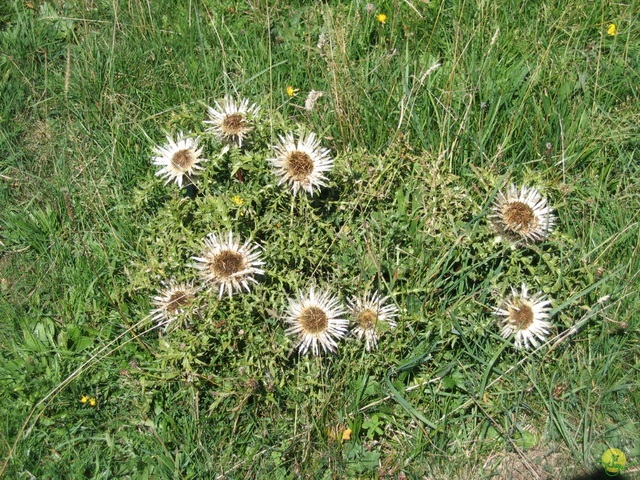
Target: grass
[[428, 117]]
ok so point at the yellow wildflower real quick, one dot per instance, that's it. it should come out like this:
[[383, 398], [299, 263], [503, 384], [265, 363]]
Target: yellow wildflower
[[612, 30], [339, 432], [89, 399], [292, 91], [382, 18], [237, 200]]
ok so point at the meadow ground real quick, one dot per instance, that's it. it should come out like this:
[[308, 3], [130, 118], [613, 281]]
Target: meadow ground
[[429, 111]]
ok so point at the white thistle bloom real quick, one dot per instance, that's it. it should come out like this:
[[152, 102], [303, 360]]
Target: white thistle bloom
[[371, 317], [522, 215], [171, 302], [316, 318], [524, 316], [178, 159], [301, 164], [232, 121], [228, 265]]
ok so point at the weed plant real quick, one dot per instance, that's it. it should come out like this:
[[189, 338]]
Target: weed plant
[[429, 112]]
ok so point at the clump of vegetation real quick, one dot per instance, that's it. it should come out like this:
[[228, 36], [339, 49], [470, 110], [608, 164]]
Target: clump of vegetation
[[249, 239]]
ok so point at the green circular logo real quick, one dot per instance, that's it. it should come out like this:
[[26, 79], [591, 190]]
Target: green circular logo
[[613, 461]]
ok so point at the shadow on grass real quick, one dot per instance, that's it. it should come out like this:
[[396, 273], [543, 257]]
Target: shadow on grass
[[600, 474]]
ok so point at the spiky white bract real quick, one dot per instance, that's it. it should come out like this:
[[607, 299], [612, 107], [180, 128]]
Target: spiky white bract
[[302, 164], [317, 320], [524, 316], [178, 159], [171, 301], [226, 264], [231, 121], [371, 316], [522, 215]]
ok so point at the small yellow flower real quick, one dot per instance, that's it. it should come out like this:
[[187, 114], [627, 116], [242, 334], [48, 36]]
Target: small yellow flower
[[339, 432], [89, 399], [382, 18], [292, 91], [237, 200], [612, 30]]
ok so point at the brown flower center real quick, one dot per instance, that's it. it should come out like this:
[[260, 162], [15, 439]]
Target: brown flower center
[[226, 263], [314, 320], [520, 217], [300, 165], [233, 124], [521, 316], [367, 319], [183, 159], [178, 299]]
